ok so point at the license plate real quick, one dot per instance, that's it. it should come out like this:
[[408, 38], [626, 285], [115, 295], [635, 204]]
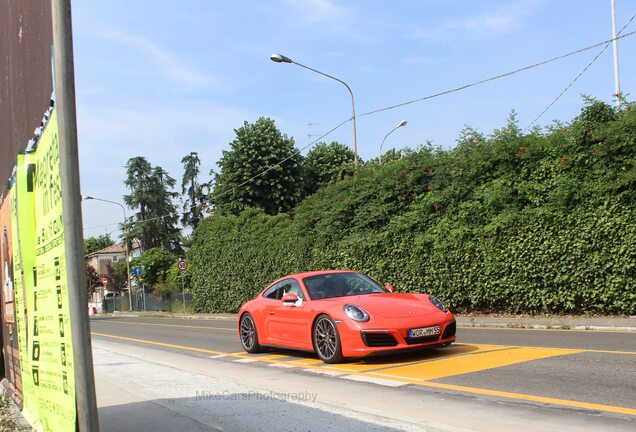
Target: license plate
[[424, 331]]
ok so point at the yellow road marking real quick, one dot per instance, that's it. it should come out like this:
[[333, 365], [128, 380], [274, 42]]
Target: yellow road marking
[[306, 362], [270, 356], [533, 398], [607, 351], [313, 364], [473, 363], [187, 348], [377, 363], [169, 325], [575, 349]]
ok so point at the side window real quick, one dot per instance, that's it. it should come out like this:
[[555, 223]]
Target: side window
[[274, 292], [291, 286]]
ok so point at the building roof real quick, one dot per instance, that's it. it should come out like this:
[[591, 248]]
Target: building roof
[[113, 249]]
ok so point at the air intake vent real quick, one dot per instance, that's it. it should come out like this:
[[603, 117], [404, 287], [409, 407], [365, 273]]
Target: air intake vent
[[378, 339], [450, 330]]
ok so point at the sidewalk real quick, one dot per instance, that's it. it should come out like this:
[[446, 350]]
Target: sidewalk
[[466, 321], [140, 388]]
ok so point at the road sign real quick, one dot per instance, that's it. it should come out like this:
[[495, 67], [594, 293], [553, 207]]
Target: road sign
[[105, 281], [182, 265], [137, 270]]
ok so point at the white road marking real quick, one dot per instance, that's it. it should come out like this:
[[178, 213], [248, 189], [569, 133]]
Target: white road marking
[[324, 372], [380, 381], [282, 365], [217, 356], [246, 360]]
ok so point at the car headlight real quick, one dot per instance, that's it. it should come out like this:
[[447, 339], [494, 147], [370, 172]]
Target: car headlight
[[437, 303], [356, 313]]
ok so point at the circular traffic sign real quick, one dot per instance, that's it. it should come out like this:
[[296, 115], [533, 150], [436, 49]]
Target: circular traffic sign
[[104, 281], [137, 270], [182, 265]]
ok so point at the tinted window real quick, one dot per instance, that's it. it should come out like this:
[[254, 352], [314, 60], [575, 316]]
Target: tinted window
[[341, 285], [274, 292]]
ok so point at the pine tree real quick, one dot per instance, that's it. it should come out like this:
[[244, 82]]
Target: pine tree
[[193, 193], [155, 222]]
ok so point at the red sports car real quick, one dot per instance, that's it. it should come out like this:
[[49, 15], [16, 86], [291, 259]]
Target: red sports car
[[339, 314]]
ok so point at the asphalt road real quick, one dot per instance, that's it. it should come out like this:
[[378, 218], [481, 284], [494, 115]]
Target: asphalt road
[[585, 371]]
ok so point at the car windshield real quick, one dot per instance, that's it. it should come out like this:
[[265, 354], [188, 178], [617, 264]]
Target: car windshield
[[341, 285]]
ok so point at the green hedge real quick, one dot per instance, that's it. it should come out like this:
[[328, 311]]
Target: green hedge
[[512, 222]]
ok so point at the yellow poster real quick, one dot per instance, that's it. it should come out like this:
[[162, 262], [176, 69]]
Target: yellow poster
[[49, 384], [23, 245]]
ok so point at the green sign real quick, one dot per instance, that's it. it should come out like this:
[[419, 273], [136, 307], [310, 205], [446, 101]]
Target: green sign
[[47, 361]]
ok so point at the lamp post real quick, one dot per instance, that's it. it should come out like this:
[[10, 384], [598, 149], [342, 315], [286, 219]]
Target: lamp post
[[86, 197], [279, 58], [617, 82], [399, 125]]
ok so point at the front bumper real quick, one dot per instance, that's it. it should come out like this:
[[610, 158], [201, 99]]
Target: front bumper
[[364, 339]]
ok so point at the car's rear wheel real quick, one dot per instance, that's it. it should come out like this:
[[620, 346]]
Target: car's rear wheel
[[326, 340], [249, 335]]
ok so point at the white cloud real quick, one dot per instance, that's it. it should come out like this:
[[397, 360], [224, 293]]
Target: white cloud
[[174, 67], [110, 135], [164, 132], [482, 25]]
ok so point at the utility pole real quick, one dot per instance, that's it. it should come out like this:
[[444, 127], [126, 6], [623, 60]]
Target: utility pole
[[617, 83], [85, 398]]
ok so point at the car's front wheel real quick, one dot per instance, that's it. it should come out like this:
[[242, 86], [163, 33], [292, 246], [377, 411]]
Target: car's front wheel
[[249, 335], [326, 340]]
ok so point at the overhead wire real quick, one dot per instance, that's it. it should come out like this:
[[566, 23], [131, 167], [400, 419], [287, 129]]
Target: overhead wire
[[435, 95], [578, 76], [496, 77], [453, 90]]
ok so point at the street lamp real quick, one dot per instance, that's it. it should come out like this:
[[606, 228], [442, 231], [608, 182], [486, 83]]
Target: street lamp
[[279, 58], [399, 125], [86, 197]]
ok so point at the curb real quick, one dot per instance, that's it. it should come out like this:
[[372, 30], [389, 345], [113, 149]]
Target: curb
[[229, 317], [517, 326]]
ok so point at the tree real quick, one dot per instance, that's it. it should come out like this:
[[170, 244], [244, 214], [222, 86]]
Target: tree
[[156, 264], [327, 163], [138, 172], [193, 192], [93, 244], [155, 222], [164, 212], [259, 149], [116, 280], [93, 279]]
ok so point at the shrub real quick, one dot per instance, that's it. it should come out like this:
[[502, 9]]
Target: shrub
[[536, 223]]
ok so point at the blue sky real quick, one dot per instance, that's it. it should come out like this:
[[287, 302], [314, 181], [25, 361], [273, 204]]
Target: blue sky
[[162, 79]]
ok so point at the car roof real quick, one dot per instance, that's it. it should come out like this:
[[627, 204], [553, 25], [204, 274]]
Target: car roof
[[318, 272], [303, 275]]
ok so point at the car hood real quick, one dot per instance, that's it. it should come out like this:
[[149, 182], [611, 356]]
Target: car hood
[[392, 305]]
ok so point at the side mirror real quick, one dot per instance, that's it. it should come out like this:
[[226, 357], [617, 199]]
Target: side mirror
[[389, 287], [289, 298]]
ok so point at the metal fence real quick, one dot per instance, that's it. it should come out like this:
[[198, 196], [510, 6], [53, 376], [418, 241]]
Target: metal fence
[[175, 303]]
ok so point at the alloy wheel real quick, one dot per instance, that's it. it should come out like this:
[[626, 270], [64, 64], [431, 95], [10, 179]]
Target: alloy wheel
[[248, 333]]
